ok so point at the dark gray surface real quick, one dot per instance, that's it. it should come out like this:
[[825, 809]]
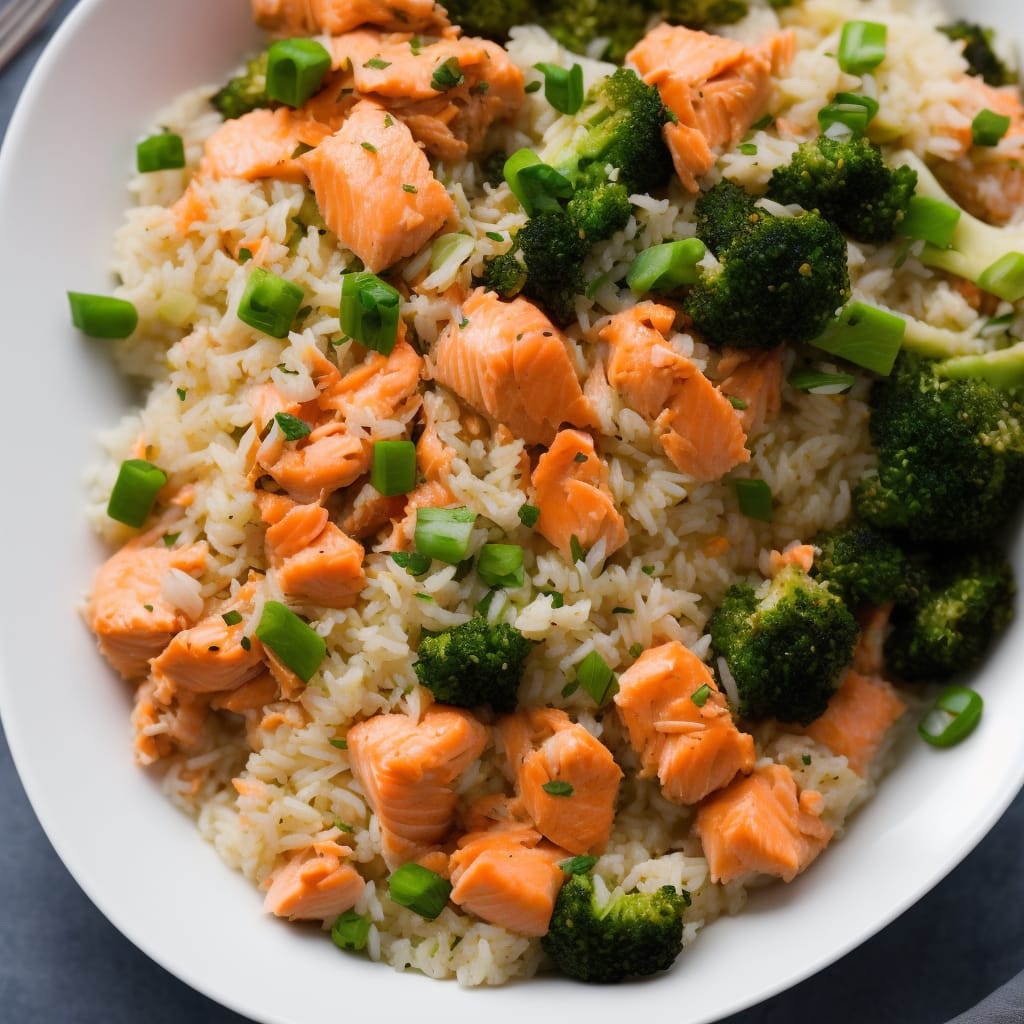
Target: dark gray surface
[[62, 962]]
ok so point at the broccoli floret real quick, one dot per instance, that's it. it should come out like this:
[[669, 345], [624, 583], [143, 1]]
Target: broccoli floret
[[631, 935], [622, 117], [864, 566], [490, 18], [479, 662], [847, 182], [982, 59], [785, 646], [598, 212], [504, 274], [723, 213], [948, 629], [950, 455], [245, 92], [781, 279]]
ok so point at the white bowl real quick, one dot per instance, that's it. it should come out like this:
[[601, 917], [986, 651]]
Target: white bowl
[[66, 157]]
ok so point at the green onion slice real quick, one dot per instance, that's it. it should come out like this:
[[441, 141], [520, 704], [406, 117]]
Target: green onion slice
[[861, 46], [821, 383], [162, 152], [665, 267], [747, 148], [137, 485], [556, 787], [412, 562], [952, 718], [269, 303], [295, 69], [1005, 278], [931, 220], [852, 109], [232, 618], [445, 246], [576, 549], [700, 695], [393, 470], [370, 311], [866, 336], [536, 185], [350, 931], [294, 641], [447, 75], [444, 533], [563, 89], [291, 426], [501, 565], [578, 865], [557, 599], [102, 316], [419, 889], [597, 678], [528, 515], [988, 128], [636, 650], [755, 498]]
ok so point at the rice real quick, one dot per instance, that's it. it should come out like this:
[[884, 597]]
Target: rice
[[275, 783]]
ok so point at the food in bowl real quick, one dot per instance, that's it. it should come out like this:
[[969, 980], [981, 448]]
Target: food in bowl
[[542, 505]]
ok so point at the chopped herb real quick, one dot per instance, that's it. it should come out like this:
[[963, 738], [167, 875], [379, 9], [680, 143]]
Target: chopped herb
[[481, 87], [755, 498], [413, 562], [570, 688], [148, 607], [170, 539], [389, 121], [410, 188], [369, 147], [580, 457], [340, 825], [301, 149], [420, 889], [495, 237], [424, 597], [557, 599], [700, 695], [340, 744], [623, 611], [182, 394], [483, 606], [528, 515], [463, 323], [764, 122], [447, 75], [578, 865], [533, 87], [647, 570], [576, 549], [737, 403], [806, 758], [636, 650], [291, 426], [244, 255], [245, 643], [376, 62], [556, 787], [597, 678], [747, 148], [501, 565], [232, 618], [416, 44]]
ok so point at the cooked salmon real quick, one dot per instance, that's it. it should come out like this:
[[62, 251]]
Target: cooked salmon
[[508, 360], [407, 768], [310, 17], [759, 824], [691, 745], [509, 877], [544, 746], [869, 654], [163, 727], [570, 486], [313, 886], [800, 555], [375, 188], [754, 380]]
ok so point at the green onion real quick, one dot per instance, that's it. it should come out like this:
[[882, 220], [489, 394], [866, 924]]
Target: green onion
[[576, 549], [269, 303], [557, 598], [563, 89], [636, 650], [483, 606], [700, 695], [647, 570], [597, 678], [245, 643], [532, 87], [663, 268], [570, 688], [162, 152], [556, 787], [424, 597], [410, 188], [494, 236], [291, 426], [578, 865], [378, 64], [244, 255], [953, 717], [852, 109], [806, 758], [370, 311], [102, 316], [295, 69], [445, 246], [861, 46], [419, 889], [447, 75], [931, 220], [747, 148], [340, 744], [866, 336], [536, 185], [369, 147], [412, 562], [501, 565], [232, 618], [619, 610], [821, 383], [137, 485], [1005, 278], [394, 467], [294, 641], [444, 533], [755, 498], [528, 515], [988, 128], [170, 539], [350, 931], [737, 403], [762, 123]]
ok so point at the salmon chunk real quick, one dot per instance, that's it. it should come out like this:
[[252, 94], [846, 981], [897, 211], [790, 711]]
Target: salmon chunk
[[570, 487], [375, 189], [407, 768], [313, 886], [162, 727], [131, 618], [509, 877], [310, 17], [508, 360], [760, 825], [754, 379], [691, 745], [545, 746]]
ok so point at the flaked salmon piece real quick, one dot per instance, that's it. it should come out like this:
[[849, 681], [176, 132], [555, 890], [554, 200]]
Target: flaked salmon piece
[[407, 768], [693, 747], [164, 727], [313, 886], [131, 618], [375, 189], [570, 487], [370, 512], [508, 360], [494, 810], [869, 654], [543, 746], [190, 208], [312, 560], [251, 696], [509, 877], [858, 716], [310, 17], [380, 384], [755, 380], [759, 824], [328, 460]]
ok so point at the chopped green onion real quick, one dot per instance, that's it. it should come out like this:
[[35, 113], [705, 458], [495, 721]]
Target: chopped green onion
[[378, 64], [762, 123], [445, 246], [291, 426], [137, 485], [269, 303], [700, 695], [536, 185], [244, 255], [232, 618], [1005, 278], [861, 46], [340, 744], [370, 311], [162, 152], [102, 316], [412, 562], [623, 611], [501, 565], [369, 147], [866, 336], [410, 188], [737, 403], [416, 45], [394, 467], [578, 865], [556, 787], [576, 549], [747, 148], [148, 607], [557, 598], [170, 539], [852, 109], [182, 394], [563, 89], [755, 498], [988, 128], [931, 220], [663, 268], [447, 75], [419, 889], [294, 641], [342, 826], [528, 515], [350, 931], [636, 650], [483, 606], [821, 383], [424, 597], [570, 688], [806, 758], [295, 69], [494, 236], [245, 643], [444, 533], [532, 87], [597, 678], [953, 717], [647, 570]]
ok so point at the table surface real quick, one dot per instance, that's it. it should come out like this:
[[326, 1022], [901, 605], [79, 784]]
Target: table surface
[[61, 960]]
